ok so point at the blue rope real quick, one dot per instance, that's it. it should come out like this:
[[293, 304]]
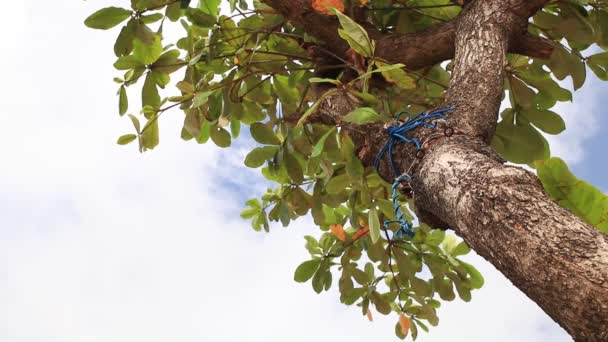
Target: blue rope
[[397, 134]]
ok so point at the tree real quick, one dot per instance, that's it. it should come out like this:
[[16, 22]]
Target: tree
[[318, 83]]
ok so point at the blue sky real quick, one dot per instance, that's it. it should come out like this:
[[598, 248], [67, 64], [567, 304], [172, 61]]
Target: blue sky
[[100, 243]]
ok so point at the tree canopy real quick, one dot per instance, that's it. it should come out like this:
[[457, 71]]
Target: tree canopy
[[282, 71]]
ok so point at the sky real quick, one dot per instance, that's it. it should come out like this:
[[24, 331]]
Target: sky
[[101, 243]]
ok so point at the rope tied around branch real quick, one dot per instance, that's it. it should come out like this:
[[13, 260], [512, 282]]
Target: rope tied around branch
[[397, 134]]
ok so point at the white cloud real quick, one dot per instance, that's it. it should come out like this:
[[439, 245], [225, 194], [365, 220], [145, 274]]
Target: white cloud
[[581, 117], [99, 243]]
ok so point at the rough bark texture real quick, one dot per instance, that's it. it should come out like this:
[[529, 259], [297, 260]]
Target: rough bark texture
[[502, 212], [560, 262]]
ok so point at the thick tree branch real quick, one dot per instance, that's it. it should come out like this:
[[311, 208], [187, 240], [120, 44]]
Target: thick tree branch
[[416, 50], [532, 46], [502, 212]]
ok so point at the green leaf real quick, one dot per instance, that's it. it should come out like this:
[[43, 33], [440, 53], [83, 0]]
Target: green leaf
[[135, 122], [294, 169], [289, 95], [107, 18], [355, 35], [421, 287], [147, 53], [381, 303], [522, 94], [150, 135], [324, 80], [598, 63], [312, 245], [374, 225], [564, 63], [519, 143], [123, 101], [200, 18], [127, 138], [306, 270], [444, 288], [574, 26], [263, 134], [124, 42], [548, 121], [211, 7], [152, 18], [126, 63], [435, 237], [200, 98], [337, 184], [362, 116], [396, 75], [582, 198], [318, 148], [149, 93], [220, 137], [249, 213], [476, 277], [148, 4], [168, 62], [461, 249], [259, 155]]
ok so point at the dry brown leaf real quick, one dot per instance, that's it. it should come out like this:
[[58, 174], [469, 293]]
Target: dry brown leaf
[[360, 233], [338, 231], [404, 323], [369, 315], [323, 6]]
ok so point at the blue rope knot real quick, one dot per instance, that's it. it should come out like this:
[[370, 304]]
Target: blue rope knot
[[397, 134], [405, 226]]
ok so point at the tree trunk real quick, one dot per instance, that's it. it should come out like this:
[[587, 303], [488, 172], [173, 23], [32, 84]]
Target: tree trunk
[[501, 211]]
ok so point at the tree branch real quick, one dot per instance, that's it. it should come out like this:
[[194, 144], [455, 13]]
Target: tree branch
[[502, 212], [415, 50]]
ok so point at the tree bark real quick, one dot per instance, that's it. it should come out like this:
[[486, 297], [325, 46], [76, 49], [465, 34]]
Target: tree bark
[[501, 211], [416, 50]]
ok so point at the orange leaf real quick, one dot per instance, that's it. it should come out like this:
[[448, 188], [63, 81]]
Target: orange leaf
[[338, 231], [322, 6], [404, 323], [361, 233], [369, 315], [363, 2]]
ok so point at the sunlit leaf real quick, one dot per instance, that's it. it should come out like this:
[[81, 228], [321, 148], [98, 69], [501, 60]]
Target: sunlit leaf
[[107, 18], [585, 200]]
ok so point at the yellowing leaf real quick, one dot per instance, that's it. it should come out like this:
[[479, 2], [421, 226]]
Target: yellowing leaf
[[362, 116], [369, 315], [396, 75], [355, 35], [404, 323], [338, 231], [582, 198], [323, 6], [374, 225]]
